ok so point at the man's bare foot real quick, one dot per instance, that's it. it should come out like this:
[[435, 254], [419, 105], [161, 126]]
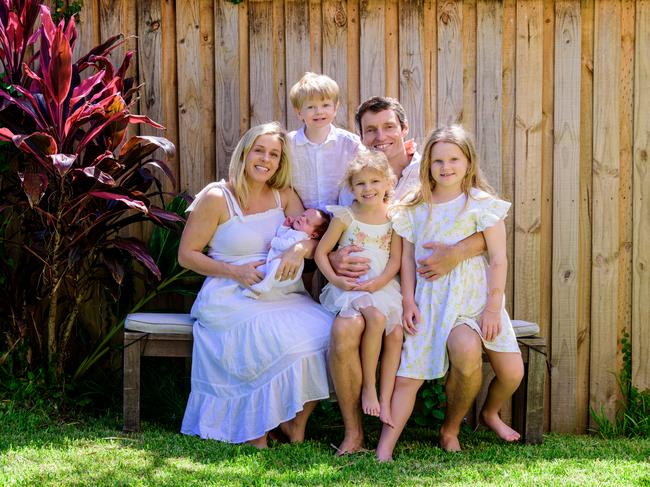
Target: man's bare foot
[[385, 415], [449, 442], [496, 424], [349, 445], [369, 401]]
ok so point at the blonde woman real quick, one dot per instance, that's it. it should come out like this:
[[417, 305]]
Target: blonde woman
[[256, 364]]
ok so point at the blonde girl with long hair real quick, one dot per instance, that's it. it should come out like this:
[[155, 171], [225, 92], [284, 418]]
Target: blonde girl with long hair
[[451, 320]]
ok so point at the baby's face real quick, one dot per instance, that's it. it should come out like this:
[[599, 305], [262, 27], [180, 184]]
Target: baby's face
[[307, 222]]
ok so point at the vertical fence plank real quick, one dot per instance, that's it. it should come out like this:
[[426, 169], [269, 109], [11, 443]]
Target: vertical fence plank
[[508, 136], [315, 36], [430, 51], [450, 62], [606, 183], [227, 85], [626, 107], [468, 116], [298, 50], [260, 23], [488, 90], [641, 243], [335, 49], [372, 67], [528, 160], [392, 63], [411, 30], [354, 59], [169, 80], [566, 198], [115, 17], [87, 28], [195, 95], [586, 158], [277, 64], [244, 70]]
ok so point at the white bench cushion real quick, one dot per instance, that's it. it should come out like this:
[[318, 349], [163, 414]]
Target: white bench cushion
[[524, 328], [159, 323]]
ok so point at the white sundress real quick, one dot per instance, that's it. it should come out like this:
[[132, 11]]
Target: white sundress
[[460, 296], [255, 363], [375, 238]]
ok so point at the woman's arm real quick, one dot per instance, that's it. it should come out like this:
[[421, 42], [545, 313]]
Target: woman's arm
[[326, 244], [495, 238], [411, 314], [210, 212], [391, 269]]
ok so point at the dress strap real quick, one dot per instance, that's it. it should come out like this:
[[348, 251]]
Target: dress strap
[[231, 201], [278, 199]]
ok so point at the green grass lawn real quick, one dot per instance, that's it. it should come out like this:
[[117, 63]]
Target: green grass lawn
[[34, 450]]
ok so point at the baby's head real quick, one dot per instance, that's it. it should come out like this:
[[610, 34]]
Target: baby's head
[[466, 151], [373, 164], [313, 222], [315, 99]]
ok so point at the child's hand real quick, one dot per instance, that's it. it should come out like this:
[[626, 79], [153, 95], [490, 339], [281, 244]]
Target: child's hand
[[371, 285], [410, 317], [490, 324], [345, 283]]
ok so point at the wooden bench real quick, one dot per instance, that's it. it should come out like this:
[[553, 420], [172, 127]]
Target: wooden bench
[[170, 335]]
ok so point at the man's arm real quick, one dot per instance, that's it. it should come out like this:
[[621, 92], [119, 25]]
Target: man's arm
[[444, 258], [347, 265]]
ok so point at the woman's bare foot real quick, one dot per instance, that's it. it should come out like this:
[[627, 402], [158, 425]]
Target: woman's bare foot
[[496, 424], [385, 414], [370, 401], [294, 432], [259, 443]]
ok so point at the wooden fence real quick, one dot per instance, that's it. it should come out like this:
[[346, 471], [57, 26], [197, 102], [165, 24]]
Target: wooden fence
[[557, 93]]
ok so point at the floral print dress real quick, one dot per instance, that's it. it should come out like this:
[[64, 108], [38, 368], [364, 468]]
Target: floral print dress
[[375, 239], [458, 297]]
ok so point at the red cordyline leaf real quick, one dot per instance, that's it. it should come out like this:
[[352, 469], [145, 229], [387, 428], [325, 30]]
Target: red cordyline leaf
[[139, 251], [59, 74], [131, 203], [99, 175], [34, 185], [86, 86], [63, 162], [6, 134]]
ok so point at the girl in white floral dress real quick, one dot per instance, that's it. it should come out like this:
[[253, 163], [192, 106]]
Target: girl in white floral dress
[[454, 202], [377, 296]]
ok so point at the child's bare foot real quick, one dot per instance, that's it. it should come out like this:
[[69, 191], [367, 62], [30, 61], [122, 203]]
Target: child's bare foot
[[496, 424], [449, 443], [369, 401], [383, 457], [385, 415]]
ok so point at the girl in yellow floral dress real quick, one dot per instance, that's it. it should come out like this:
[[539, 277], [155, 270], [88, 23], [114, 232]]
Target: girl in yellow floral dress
[[459, 313], [376, 296]]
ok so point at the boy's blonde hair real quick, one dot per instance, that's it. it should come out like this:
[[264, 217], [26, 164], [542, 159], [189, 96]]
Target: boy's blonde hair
[[457, 135], [313, 85], [375, 161], [236, 171]]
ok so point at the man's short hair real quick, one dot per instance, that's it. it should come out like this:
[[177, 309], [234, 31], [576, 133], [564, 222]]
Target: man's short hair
[[378, 104], [313, 85]]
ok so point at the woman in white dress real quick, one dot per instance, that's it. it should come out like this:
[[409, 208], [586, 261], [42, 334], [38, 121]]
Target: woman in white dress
[[256, 364]]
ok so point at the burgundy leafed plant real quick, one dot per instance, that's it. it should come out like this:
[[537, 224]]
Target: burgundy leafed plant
[[72, 184]]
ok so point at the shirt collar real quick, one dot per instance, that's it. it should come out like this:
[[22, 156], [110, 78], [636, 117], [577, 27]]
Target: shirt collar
[[301, 138]]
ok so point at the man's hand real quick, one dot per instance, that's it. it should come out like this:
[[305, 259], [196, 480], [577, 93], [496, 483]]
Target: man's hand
[[348, 265], [441, 261]]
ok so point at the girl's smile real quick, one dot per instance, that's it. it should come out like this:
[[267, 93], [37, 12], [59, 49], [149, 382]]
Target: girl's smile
[[448, 166], [369, 186]]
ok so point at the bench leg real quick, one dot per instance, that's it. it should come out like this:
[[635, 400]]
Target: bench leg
[[535, 396], [131, 386]]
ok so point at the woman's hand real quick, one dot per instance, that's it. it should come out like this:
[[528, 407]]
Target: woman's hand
[[290, 263], [248, 274], [410, 317], [490, 324]]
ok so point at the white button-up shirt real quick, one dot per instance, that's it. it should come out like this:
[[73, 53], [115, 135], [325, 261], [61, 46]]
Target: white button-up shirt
[[408, 181], [319, 168]]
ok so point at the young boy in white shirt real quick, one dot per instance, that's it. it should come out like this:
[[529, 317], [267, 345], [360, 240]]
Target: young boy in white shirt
[[320, 151]]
